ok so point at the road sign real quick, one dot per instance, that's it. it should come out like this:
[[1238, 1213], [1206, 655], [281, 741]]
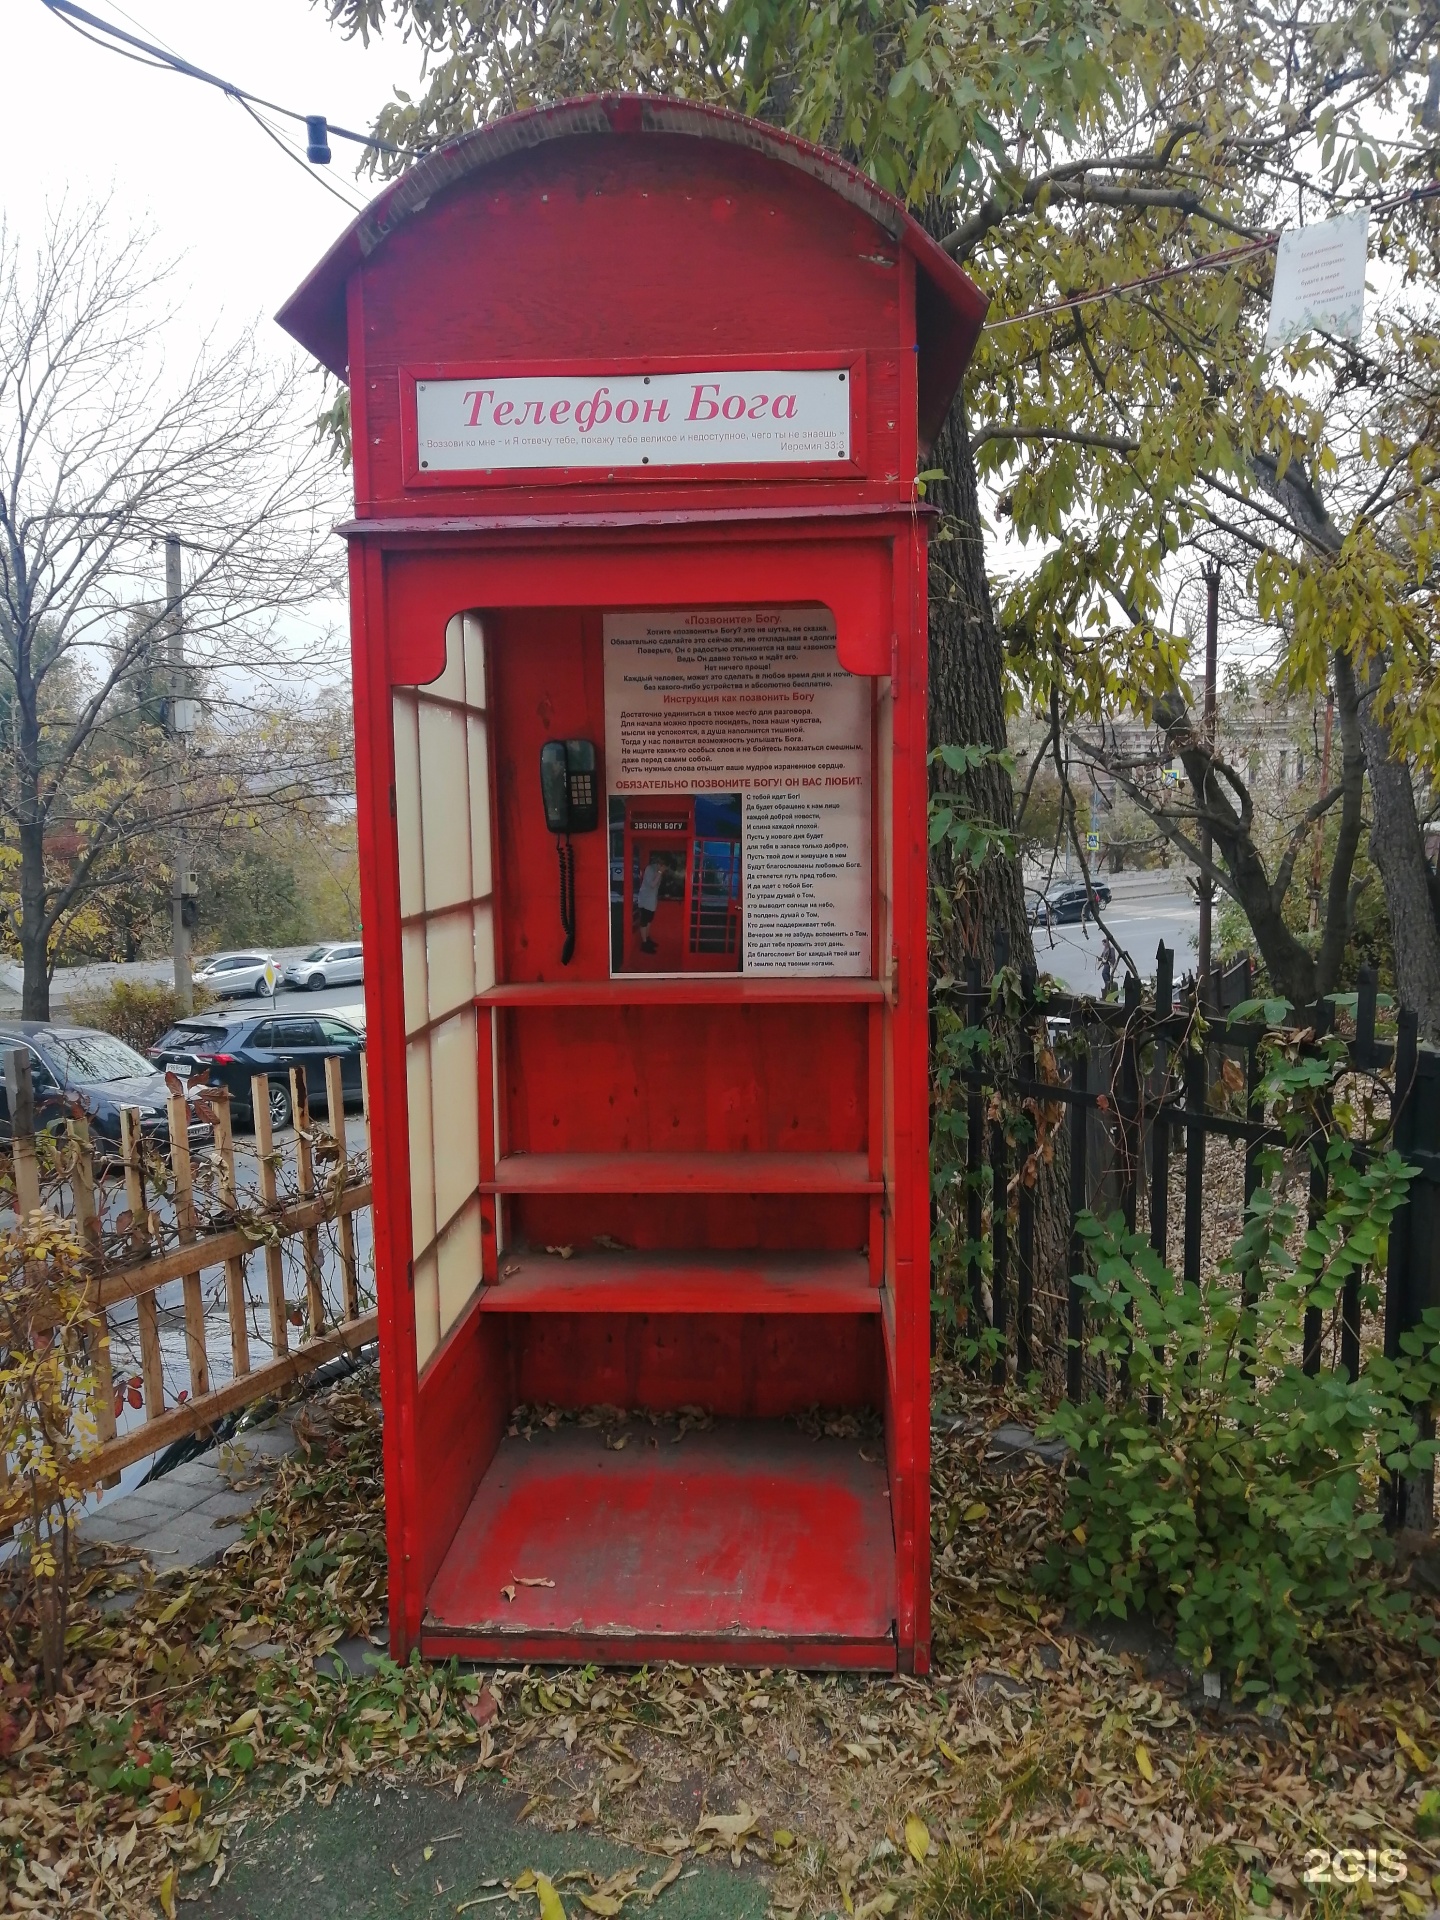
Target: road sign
[[1092, 843]]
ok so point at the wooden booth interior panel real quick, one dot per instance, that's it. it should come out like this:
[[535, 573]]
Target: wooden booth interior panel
[[601, 1102], [687, 1079], [749, 1280], [442, 816], [749, 1366]]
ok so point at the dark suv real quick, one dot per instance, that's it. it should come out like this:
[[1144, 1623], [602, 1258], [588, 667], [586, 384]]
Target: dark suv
[[1073, 901], [228, 1048], [81, 1067]]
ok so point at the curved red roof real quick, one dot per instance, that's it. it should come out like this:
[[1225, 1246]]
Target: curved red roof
[[950, 308]]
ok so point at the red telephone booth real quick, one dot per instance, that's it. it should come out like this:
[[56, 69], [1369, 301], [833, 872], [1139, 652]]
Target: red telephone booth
[[638, 393]]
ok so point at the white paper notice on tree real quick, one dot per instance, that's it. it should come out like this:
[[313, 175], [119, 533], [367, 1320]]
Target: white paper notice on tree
[[757, 741], [1320, 280]]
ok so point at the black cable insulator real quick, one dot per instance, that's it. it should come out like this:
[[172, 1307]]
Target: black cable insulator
[[317, 140]]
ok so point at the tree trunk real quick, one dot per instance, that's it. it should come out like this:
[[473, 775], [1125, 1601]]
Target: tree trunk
[[967, 708], [30, 830], [1398, 850]]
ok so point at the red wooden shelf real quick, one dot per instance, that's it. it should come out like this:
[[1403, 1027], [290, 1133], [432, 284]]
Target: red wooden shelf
[[695, 990], [683, 1173], [686, 1282], [748, 1543]]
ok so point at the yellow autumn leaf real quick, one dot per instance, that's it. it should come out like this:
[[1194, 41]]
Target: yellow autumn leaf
[[244, 1723], [783, 1837], [176, 1606], [731, 1827], [1413, 1751], [976, 1511], [167, 1892], [1144, 1763], [917, 1837], [550, 1906]]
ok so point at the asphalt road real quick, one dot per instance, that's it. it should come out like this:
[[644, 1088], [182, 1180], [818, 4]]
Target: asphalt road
[[349, 1000], [1146, 909]]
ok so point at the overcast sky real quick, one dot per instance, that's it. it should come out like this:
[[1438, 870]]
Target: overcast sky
[[250, 221], [247, 222]]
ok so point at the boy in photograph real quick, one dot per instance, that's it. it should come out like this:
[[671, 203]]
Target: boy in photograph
[[646, 901]]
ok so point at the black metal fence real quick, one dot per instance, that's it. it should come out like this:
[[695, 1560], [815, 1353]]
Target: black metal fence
[[1124, 1098]]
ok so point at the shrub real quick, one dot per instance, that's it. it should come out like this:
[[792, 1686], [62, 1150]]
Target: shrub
[[1244, 1511], [133, 1010], [49, 1394]]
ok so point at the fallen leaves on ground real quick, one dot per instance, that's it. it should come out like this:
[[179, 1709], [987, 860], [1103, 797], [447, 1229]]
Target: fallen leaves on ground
[[1032, 1758]]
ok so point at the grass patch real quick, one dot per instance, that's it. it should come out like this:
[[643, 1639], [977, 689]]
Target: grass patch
[[999, 1883]]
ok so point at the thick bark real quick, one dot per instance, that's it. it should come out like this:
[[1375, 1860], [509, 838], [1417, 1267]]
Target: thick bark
[[967, 708], [1398, 850]]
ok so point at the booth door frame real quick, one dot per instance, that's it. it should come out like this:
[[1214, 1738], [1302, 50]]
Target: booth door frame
[[407, 580]]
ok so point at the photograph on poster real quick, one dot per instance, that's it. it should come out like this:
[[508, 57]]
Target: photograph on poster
[[737, 753], [675, 902]]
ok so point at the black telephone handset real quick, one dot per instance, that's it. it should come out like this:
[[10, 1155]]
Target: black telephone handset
[[572, 805]]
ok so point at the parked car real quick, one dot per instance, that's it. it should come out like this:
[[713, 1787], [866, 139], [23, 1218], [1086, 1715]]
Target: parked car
[[227, 1049], [337, 964], [1072, 901], [80, 1066], [229, 975]]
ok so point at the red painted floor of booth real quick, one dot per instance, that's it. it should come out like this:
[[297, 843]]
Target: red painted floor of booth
[[744, 1543]]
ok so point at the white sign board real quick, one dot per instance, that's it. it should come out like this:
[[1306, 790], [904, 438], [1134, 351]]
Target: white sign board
[[1320, 280], [759, 417], [751, 709]]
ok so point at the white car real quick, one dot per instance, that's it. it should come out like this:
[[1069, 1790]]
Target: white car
[[340, 963], [231, 974]]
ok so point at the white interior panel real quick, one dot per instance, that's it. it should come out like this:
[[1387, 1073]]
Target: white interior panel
[[445, 816], [442, 807], [407, 806], [450, 962], [484, 946], [412, 965], [459, 1264], [479, 806], [456, 1108], [427, 1307], [451, 684], [422, 1145], [474, 661]]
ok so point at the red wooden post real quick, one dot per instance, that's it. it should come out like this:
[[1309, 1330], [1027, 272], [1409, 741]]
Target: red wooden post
[[638, 392]]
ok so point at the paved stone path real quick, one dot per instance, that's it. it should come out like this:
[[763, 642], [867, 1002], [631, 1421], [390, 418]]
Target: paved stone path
[[189, 1516]]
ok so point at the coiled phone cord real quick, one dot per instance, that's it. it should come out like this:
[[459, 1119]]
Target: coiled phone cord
[[567, 898]]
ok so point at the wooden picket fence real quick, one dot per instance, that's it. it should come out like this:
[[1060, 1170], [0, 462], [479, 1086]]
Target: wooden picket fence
[[183, 1217]]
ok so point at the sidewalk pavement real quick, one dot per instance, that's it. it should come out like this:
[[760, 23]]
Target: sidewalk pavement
[[189, 1516], [382, 1850]]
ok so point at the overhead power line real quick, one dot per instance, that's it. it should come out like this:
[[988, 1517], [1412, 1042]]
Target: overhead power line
[[318, 129]]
